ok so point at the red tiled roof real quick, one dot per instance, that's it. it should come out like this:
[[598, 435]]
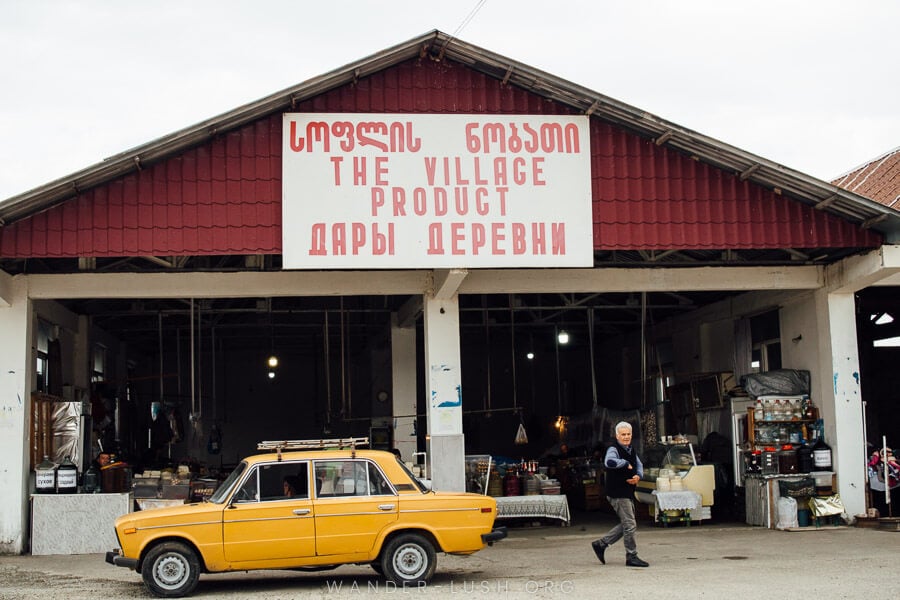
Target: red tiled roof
[[224, 196], [878, 179]]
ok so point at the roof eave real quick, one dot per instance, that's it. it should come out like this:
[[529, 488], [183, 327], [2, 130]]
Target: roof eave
[[808, 189]]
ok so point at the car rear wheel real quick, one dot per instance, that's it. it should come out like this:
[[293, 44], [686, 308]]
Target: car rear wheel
[[171, 570], [409, 558]]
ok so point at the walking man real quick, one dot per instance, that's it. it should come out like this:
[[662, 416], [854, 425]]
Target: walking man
[[623, 470]]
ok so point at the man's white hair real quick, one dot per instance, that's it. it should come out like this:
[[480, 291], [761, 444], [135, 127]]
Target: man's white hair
[[623, 425]]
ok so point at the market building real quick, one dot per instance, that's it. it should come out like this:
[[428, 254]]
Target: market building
[[414, 236]]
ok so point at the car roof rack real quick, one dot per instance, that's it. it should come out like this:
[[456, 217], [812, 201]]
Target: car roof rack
[[319, 444]]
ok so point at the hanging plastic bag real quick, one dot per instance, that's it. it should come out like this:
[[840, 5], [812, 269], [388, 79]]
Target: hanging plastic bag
[[521, 436]]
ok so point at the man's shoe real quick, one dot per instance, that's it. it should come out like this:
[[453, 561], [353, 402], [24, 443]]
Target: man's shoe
[[599, 548], [634, 561]]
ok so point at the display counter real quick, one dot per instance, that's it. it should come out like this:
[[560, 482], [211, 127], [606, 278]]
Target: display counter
[[545, 506], [76, 523], [672, 468]]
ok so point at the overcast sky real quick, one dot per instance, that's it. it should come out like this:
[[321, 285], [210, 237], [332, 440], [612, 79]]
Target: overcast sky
[[811, 84]]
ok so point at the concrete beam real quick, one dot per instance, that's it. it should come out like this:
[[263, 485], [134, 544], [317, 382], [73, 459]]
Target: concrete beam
[[226, 285], [5, 289], [447, 282], [648, 280], [410, 312], [878, 267]]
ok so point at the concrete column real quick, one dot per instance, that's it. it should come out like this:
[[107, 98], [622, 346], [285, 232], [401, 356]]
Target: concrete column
[[446, 447], [841, 401], [403, 385], [16, 377]]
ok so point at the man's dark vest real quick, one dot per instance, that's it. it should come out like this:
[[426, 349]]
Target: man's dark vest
[[616, 487]]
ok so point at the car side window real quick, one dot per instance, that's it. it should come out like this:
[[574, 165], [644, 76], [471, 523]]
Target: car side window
[[276, 481], [283, 480], [349, 478], [378, 485]]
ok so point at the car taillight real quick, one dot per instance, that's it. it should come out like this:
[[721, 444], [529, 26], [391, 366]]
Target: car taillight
[[487, 509]]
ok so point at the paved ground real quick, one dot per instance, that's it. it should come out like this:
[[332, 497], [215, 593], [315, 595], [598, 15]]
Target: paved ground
[[709, 561]]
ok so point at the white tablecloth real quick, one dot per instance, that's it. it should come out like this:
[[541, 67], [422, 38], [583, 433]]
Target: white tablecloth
[[684, 500], [543, 506]]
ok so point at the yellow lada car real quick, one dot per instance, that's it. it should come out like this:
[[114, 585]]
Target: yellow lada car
[[315, 510]]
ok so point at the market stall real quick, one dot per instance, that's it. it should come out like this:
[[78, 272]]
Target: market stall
[[522, 489]]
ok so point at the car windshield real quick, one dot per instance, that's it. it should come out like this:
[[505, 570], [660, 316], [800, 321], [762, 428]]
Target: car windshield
[[415, 479], [223, 490]]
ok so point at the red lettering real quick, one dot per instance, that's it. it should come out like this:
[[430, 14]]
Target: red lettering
[[381, 170], [497, 233], [481, 205], [358, 237], [336, 163], [477, 238], [502, 191], [461, 195], [440, 202], [518, 238], [500, 171], [519, 177], [399, 196], [558, 238], [459, 178], [538, 170], [359, 170], [420, 201], [377, 200], [435, 239], [339, 239], [457, 237], [538, 235], [479, 180], [317, 240], [382, 243]]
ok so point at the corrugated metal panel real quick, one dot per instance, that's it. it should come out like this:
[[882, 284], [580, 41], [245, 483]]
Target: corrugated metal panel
[[224, 197], [649, 197], [220, 198]]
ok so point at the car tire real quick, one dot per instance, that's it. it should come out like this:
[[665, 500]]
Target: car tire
[[409, 559], [170, 570], [376, 566]]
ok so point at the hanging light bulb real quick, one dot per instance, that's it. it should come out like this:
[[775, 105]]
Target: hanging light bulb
[[563, 337], [271, 374], [530, 356], [273, 361]]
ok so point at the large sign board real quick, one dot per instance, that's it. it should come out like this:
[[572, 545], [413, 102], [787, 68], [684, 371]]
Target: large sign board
[[394, 191]]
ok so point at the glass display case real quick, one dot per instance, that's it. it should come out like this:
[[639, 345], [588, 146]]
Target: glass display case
[[670, 468]]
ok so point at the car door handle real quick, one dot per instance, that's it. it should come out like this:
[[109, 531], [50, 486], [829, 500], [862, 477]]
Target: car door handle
[[301, 511], [385, 507]]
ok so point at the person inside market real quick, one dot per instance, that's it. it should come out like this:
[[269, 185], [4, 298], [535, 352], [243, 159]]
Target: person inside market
[[101, 460], [623, 471]]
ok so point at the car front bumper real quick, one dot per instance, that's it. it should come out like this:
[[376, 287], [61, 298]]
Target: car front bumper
[[114, 558], [496, 534]]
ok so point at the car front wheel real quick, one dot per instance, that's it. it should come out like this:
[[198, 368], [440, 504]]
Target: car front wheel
[[408, 559], [171, 570]]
